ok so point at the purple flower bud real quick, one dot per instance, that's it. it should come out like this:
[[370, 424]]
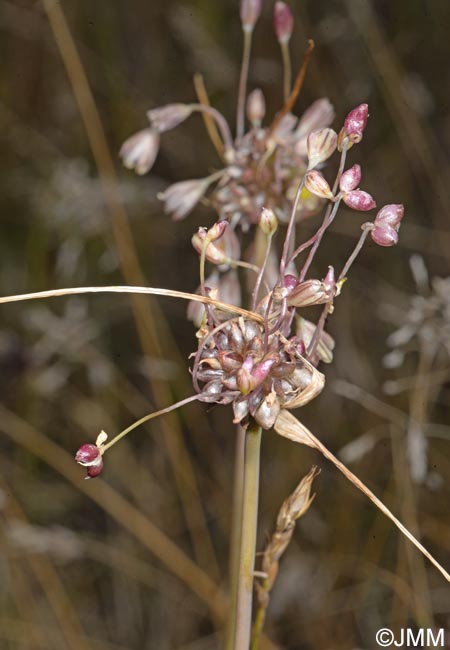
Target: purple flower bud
[[316, 184], [87, 454], [250, 12], [256, 107], [283, 21], [359, 200], [268, 221], [168, 117], [320, 146], [180, 198], [384, 235], [356, 122], [350, 179], [90, 456], [94, 470], [139, 152], [390, 215]]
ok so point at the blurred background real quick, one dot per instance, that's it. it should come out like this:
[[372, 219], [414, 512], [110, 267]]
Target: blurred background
[[134, 560]]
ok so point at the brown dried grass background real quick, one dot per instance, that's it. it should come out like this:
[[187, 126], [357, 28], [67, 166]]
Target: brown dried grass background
[[135, 563]]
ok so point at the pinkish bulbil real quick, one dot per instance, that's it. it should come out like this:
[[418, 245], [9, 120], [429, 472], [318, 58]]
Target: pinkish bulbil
[[350, 179], [290, 282], [283, 21], [359, 200]]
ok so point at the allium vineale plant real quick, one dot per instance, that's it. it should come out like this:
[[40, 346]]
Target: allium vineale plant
[[255, 350]]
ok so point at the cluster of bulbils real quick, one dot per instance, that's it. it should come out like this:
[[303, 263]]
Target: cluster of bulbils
[[265, 361]]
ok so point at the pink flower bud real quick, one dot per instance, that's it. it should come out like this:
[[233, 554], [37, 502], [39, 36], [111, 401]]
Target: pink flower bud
[[350, 179], [94, 470], [313, 292], [359, 200], [391, 215], [268, 222], [139, 152], [256, 107], [217, 230], [283, 21], [250, 12], [384, 235], [168, 117], [316, 184], [90, 456], [213, 253], [87, 454], [320, 146], [356, 122]]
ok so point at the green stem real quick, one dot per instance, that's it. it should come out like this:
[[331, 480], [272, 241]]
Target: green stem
[[236, 532], [248, 537]]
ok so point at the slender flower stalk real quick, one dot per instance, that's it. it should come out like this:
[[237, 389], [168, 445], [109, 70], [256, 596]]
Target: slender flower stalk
[[242, 92]]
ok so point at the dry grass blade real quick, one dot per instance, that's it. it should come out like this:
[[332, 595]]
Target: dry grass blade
[[53, 293], [210, 124], [289, 427]]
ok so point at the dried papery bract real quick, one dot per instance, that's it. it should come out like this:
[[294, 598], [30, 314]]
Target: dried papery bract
[[294, 507]]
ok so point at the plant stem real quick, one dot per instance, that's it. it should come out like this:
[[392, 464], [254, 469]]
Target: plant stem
[[287, 72], [236, 532], [248, 537]]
